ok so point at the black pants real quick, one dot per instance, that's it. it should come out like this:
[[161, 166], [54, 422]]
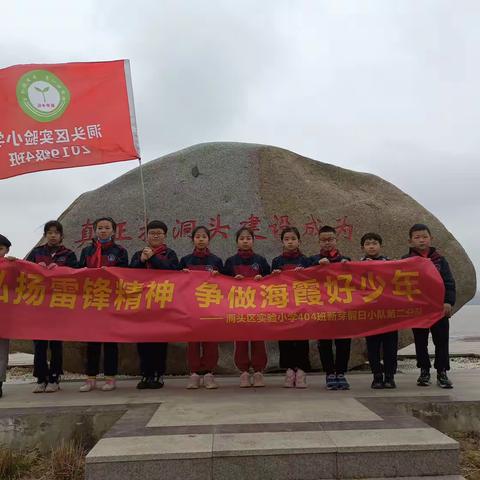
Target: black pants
[[41, 369], [153, 359], [388, 342], [440, 331], [342, 355], [110, 358], [294, 354]]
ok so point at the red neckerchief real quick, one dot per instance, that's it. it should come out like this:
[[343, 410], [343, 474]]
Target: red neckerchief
[[99, 247], [159, 251], [245, 254], [423, 254], [434, 255], [292, 254], [431, 253], [201, 253], [56, 250], [329, 253]]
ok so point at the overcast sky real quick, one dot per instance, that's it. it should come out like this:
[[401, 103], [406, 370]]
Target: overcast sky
[[386, 87]]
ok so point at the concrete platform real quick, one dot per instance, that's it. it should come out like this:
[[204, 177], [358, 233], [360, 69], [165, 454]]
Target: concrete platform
[[264, 433], [466, 383], [19, 359], [250, 407]]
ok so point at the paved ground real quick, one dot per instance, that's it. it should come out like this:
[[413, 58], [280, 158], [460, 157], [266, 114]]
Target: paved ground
[[467, 387], [252, 433]]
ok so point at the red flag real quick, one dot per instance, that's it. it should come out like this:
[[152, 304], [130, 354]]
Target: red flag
[[65, 115]]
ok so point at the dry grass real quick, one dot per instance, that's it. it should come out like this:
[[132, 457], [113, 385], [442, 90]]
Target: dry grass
[[469, 454], [15, 464], [64, 462]]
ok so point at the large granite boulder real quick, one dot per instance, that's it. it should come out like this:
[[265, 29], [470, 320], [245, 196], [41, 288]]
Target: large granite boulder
[[226, 185]]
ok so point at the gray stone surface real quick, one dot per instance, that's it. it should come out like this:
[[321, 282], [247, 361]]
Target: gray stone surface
[[185, 469], [432, 477], [287, 455], [252, 408], [20, 360], [352, 448], [397, 464], [271, 443], [398, 439], [467, 388], [31, 428], [236, 181], [152, 447], [278, 467]]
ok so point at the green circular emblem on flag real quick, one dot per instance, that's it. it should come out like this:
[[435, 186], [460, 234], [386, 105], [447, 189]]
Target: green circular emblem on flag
[[42, 95]]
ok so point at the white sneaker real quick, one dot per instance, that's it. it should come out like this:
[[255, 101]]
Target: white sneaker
[[40, 388], [109, 385], [300, 379], [90, 384], [52, 387], [245, 380], [289, 379], [258, 380], [209, 381], [194, 382]]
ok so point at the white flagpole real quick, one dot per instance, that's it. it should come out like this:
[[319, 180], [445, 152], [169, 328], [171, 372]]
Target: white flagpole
[[144, 197], [133, 122]]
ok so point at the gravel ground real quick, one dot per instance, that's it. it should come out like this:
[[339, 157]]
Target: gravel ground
[[456, 363]]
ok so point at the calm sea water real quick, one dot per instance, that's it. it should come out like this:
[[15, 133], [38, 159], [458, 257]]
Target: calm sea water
[[466, 322]]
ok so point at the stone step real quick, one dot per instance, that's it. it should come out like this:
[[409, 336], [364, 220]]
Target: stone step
[[299, 455], [19, 359], [439, 477]]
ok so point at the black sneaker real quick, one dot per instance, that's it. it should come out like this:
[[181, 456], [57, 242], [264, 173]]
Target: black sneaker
[[143, 383], [389, 382], [54, 378], [155, 383], [1, 389], [331, 382], [443, 381], [424, 379], [377, 383], [342, 383]]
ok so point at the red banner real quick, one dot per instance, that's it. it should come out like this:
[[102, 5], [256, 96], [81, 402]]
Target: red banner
[[65, 115], [131, 305]]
